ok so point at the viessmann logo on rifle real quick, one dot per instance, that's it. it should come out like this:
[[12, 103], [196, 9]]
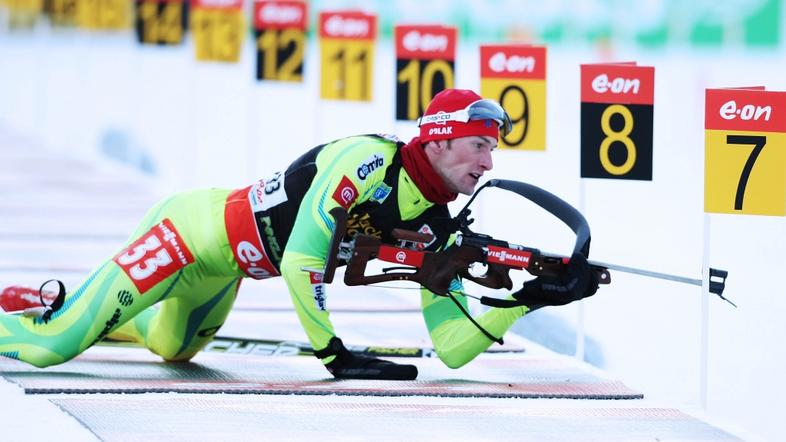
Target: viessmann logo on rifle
[[510, 257]]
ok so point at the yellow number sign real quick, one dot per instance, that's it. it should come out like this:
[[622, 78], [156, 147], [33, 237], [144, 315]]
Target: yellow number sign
[[218, 29], [745, 151], [160, 22], [22, 14], [425, 58], [103, 14], [515, 75], [61, 12], [280, 30], [347, 54]]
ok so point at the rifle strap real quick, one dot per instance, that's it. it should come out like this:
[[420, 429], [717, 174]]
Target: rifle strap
[[480, 327]]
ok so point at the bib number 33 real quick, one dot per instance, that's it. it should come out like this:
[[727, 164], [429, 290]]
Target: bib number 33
[[154, 256]]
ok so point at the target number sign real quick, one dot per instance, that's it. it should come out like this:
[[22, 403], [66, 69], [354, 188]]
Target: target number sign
[[103, 14], [160, 22], [347, 55], [515, 76], [280, 31], [425, 65], [617, 103], [218, 29], [745, 151]]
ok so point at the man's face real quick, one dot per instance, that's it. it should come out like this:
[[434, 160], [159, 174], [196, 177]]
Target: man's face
[[462, 161]]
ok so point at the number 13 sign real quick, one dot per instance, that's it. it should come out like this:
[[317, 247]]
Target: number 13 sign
[[745, 151]]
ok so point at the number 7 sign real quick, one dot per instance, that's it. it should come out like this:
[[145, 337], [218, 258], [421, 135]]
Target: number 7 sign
[[745, 152]]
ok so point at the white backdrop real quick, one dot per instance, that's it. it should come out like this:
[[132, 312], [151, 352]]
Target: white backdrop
[[213, 125]]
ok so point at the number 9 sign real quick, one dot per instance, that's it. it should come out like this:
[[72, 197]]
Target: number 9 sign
[[515, 75]]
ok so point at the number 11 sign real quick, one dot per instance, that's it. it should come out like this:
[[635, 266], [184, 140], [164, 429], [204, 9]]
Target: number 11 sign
[[745, 151]]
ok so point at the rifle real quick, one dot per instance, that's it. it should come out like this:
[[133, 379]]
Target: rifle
[[436, 270]]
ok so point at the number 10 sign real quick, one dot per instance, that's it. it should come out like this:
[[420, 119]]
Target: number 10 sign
[[745, 151]]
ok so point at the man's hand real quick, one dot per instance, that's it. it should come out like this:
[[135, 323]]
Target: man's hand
[[348, 365], [578, 282]]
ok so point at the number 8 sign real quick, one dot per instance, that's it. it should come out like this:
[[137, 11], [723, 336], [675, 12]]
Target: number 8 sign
[[616, 121], [745, 151]]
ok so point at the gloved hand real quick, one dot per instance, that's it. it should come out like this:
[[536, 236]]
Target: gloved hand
[[578, 282], [348, 365]]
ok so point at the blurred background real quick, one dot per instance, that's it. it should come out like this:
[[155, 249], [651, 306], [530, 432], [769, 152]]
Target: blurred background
[[80, 79]]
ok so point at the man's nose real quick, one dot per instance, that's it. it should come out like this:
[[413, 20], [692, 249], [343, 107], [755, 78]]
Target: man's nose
[[486, 162]]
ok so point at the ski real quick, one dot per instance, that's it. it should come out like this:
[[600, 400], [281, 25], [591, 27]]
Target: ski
[[276, 347]]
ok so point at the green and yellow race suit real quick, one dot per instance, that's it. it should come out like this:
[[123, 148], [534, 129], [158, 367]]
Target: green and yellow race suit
[[191, 251]]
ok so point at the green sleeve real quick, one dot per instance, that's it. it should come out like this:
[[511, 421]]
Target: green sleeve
[[305, 254], [456, 339]]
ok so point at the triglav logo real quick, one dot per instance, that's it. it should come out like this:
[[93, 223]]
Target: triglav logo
[[601, 84], [413, 41], [515, 63], [730, 111], [339, 26], [318, 290]]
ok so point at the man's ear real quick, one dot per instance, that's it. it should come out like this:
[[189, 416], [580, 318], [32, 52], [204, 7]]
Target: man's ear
[[437, 146]]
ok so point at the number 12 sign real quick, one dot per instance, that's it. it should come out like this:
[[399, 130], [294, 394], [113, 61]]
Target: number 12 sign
[[745, 151]]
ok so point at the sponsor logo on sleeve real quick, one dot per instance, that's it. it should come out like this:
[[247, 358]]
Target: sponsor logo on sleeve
[[346, 193], [318, 289], [371, 164]]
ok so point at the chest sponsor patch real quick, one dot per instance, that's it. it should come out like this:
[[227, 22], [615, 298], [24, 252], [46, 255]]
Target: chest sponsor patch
[[346, 193], [381, 193], [154, 257]]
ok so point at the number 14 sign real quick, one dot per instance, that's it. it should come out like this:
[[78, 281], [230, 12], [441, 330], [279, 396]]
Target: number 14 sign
[[745, 151]]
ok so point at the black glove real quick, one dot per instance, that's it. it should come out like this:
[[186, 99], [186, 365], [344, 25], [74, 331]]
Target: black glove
[[579, 281], [348, 365]]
